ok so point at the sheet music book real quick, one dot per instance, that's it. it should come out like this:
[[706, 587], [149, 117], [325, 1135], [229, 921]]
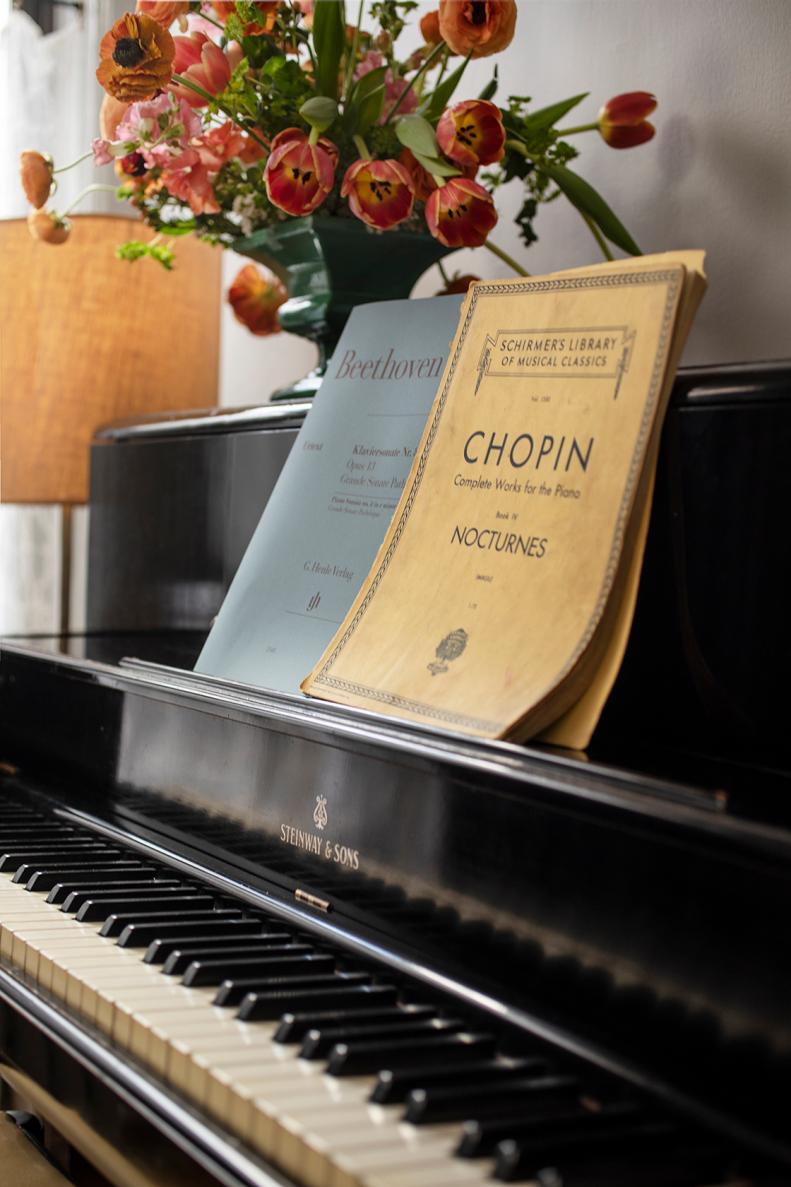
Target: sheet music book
[[333, 501], [500, 600]]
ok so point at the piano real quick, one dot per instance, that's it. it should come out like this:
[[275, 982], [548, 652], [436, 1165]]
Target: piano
[[250, 939]]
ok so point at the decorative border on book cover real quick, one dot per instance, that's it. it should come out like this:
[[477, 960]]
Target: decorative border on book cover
[[672, 279]]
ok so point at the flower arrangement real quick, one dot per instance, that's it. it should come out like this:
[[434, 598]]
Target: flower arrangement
[[224, 118]]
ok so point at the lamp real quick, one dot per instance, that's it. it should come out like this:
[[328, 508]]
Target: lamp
[[86, 339]]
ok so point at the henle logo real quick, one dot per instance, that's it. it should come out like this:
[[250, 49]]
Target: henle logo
[[450, 648], [320, 812]]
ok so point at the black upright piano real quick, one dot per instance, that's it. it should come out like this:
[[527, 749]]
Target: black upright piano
[[252, 939]]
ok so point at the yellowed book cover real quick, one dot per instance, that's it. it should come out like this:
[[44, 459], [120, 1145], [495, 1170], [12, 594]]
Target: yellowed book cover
[[496, 593]]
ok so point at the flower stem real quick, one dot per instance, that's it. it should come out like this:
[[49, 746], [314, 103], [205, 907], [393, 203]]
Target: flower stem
[[79, 160], [578, 128], [362, 147], [442, 271], [89, 189], [504, 256], [438, 48], [347, 90], [181, 81], [597, 235]]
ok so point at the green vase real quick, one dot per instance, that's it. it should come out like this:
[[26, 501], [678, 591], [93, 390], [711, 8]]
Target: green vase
[[328, 266]]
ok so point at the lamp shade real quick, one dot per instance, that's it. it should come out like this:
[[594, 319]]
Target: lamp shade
[[86, 339]]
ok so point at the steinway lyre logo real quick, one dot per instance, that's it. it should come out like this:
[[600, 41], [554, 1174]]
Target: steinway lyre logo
[[320, 812]]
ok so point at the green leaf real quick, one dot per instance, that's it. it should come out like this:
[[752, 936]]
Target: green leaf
[[365, 102], [176, 229], [329, 40], [588, 201], [319, 112], [416, 133], [439, 99], [436, 166], [547, 117], [490, 90]]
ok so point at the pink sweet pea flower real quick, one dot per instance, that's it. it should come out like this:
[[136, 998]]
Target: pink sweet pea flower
[[224, 143], [204, 63], [101, 151]]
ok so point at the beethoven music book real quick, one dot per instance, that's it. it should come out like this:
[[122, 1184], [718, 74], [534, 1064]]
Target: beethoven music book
[[333, 500], [500, 599]]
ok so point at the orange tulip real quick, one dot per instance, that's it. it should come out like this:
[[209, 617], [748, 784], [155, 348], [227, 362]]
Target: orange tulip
[[299, 175], [472, 133], [429, 28], [255, 298], [623, 120], [477, 27], [135, 58], [48, 226], [380, 193], [461, 213], [35, 171]]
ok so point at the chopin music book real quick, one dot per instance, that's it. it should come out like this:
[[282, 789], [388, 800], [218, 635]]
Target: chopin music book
[[500, 600], [333, 500]]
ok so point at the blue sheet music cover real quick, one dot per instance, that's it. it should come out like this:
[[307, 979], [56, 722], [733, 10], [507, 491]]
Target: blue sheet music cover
[[335, 496]]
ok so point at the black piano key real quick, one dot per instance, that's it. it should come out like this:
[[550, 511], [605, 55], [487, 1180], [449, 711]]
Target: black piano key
[[134, 933], [301, 961], [318, 1044], [69, 865], [181, 958], [12, 858], [154, 891], [360, 1059], [479, 1139], [106, 883], [294, 1027], [268, 1007], [393, 1086], [244, 931], [38, 832], [431, 1106], [177, 905], [231, 993]]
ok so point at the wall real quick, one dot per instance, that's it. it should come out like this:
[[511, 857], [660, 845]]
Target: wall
[[717, 175]]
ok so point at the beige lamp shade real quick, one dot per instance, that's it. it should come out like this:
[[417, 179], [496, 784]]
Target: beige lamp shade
[[86, 339]]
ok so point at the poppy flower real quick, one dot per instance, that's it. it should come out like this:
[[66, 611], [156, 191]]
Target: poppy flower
[[164, 12], [380, 193], [429, 28], [472, 133], [255, 298], [198, 59], [477, 27], [623, 120], [48, 226], [135, 58], [35, 171], [461, 213], [299, 175]]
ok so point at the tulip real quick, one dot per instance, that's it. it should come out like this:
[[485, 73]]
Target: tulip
[[472, 133], [380, 193], [422, 182], [299, 175], [202, 62], [255, 298], [165, 13], [35, 171], [48, 226], [477, 27], [623, 120], [135, 58], [429, 28], [461, 213]]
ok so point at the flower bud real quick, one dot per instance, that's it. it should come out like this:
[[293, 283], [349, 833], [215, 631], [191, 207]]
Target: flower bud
[[623, 120], [48, 226], [35, 171]]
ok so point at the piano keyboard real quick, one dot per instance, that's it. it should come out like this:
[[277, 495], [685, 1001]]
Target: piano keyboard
[[338, 1074]]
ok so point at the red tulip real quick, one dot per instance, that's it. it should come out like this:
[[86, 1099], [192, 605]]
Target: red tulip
[[204, 63], [472, 133], [623, 120], [461, 213], [379, 192], [299, 175], [255, 298]]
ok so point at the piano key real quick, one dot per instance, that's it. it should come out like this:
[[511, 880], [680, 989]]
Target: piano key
[[634, 1161], [12, 857], [299, 960], [132, 934], [427, 1106], [113, 883], [72, 863], [231, 993], [394, 1085], [159, 919], [292, 1028], [318, 1044], [480, 1138], [181, 958], [159, 905], [126, 893], [243, 931], [356, 1059], [266, 1007]]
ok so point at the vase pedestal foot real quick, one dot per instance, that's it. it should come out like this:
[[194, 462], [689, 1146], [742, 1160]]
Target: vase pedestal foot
[[301, 389]]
